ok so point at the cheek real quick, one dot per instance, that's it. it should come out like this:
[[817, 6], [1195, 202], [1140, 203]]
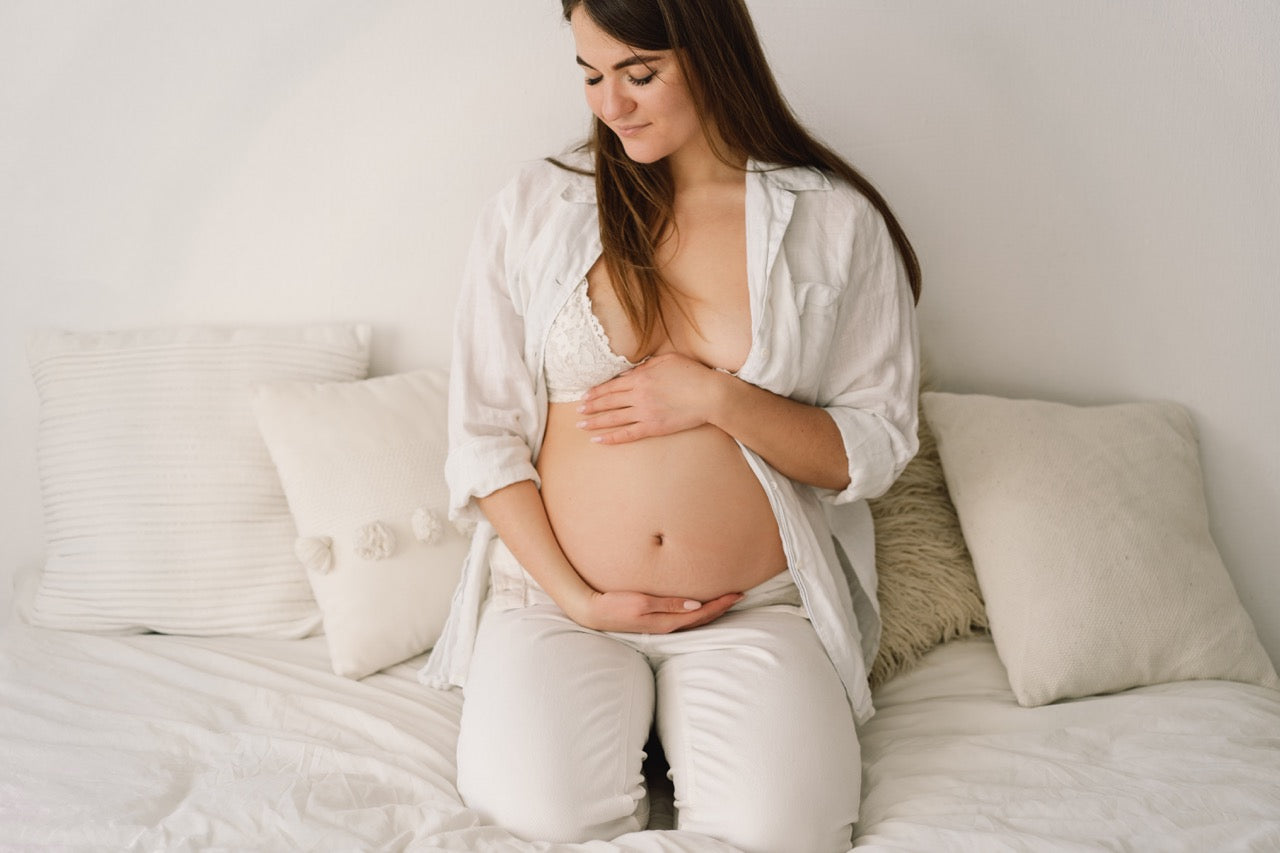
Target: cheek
[[678, 107], [691, 110]]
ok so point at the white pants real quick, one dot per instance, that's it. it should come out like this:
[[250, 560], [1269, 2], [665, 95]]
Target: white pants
[[751, 714]]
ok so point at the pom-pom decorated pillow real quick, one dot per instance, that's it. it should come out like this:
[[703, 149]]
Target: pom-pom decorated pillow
[[362, 465]]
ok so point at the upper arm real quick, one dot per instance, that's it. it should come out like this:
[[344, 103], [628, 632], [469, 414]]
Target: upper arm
[[870, 383], [492, 399]]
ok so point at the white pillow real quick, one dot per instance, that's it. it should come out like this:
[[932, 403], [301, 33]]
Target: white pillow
[[362, 465], [1090, 538], [163, 511]]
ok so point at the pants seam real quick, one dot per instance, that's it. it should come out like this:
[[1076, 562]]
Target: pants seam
[[683, 781]]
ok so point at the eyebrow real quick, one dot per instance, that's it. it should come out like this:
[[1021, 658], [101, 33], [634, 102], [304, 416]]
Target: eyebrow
[[634, 59]]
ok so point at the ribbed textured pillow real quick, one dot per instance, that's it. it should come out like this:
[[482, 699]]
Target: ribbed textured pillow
[[163, 510]]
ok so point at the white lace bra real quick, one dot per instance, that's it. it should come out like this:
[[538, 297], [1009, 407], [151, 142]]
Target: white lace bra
[[578, 355]]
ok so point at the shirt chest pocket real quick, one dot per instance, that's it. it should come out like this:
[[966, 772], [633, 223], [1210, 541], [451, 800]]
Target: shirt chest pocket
[[804, 325], [816, 297]]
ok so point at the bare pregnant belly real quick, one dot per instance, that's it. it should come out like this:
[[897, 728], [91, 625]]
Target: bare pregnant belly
[[677, 515]]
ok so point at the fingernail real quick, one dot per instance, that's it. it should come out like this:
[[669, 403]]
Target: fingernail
[[582, 424], [692, 605]]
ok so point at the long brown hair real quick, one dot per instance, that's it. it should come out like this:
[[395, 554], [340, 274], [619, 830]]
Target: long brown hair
[[729, 79]]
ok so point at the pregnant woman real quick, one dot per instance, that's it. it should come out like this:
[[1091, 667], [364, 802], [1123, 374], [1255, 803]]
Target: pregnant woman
[[685, 354]]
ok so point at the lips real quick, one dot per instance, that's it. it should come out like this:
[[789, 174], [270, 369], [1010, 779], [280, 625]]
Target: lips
[[630, 130]]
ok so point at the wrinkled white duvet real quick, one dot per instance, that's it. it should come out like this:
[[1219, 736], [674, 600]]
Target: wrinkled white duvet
[[952, 763], [169, 743]]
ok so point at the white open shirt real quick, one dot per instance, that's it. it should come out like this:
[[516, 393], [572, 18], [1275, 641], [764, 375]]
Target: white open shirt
[[833, 325]]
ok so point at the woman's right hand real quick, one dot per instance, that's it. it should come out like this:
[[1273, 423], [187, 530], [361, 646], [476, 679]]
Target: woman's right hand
[[639, 613]]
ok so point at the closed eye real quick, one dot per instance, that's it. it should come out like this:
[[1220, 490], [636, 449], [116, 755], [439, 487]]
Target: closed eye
[[631, 61], [635, 81]]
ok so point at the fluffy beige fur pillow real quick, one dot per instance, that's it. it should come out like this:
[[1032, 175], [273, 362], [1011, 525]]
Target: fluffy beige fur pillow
[[927, 588]]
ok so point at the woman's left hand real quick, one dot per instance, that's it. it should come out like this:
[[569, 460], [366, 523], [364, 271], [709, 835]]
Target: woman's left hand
[[667, 393]]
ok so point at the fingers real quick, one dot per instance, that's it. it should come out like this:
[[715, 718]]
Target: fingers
[[675, 605], [598, 399], [614, 413], [652, 399], [607, 420], [622, 389], [622, 436], [619, 427], [612, 393], [694, 617], [635, 612], [686, 605], [615, 422]]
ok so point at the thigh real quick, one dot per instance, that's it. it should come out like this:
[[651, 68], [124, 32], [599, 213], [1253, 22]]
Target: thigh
[[554, 721], [759, 735]]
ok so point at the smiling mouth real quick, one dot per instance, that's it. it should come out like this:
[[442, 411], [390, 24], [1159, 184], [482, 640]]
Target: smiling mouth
[[629, 131]]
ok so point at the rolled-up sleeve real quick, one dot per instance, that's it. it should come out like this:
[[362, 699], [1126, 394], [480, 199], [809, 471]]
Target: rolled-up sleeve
[[870, 384], [492, 399]]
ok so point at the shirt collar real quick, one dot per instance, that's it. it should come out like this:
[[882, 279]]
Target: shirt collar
[[581, 189], [793, 178]]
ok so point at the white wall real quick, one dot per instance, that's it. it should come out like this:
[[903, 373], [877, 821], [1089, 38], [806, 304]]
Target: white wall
[[1093, 186]]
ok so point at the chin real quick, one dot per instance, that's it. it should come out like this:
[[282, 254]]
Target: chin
[[641, 153]]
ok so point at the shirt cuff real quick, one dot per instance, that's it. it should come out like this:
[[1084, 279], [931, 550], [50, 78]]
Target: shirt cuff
[[876, 454], [480, 468]]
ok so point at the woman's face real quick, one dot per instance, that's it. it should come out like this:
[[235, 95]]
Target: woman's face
[[640, 94]]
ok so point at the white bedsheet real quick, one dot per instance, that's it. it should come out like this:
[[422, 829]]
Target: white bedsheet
[[952, 763], [170, 743]]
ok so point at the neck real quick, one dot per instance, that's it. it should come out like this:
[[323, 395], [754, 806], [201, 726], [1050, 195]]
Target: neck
[[696, 166]]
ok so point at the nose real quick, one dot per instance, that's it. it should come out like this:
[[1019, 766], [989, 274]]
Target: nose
[[615, 102]]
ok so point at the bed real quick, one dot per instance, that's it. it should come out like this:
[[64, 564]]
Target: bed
[[1064, 664], [173, 743]]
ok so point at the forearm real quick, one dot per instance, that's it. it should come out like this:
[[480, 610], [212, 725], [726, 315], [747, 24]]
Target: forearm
[[799, 441], [518, 514], [672, 392]]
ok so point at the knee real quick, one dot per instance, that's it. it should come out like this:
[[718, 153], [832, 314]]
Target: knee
[[772, 805], [784, 824], [786, 833], [563, 810], [553, 724]]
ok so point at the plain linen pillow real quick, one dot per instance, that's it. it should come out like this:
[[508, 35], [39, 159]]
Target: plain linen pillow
[[362, 464], [1090, 538], [163, 511]]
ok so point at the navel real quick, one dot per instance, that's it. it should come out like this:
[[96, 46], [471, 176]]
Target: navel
[[659, 538]]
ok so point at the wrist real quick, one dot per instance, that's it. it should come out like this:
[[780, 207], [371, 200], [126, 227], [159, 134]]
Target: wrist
[[575, 599], [722, 399]]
